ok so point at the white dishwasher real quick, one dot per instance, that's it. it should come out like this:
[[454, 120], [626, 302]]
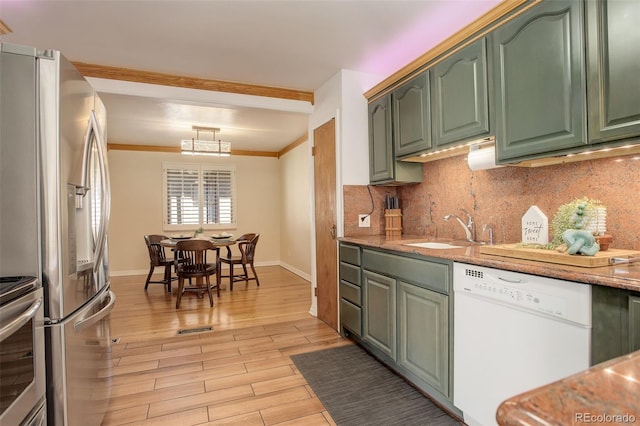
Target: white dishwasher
[[514, 332]]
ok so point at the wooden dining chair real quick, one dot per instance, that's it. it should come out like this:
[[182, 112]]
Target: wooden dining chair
[[247, 246], [158, 258], [193, 264]]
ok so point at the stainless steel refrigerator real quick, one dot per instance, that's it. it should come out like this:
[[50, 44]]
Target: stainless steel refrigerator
[[54, 217]]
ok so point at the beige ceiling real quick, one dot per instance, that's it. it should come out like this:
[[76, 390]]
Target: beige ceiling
[[290, 44]]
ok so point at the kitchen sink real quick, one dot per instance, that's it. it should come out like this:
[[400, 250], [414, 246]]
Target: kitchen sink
[[432, 245]]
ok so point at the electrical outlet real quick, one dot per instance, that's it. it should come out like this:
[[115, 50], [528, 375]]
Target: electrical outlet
[[364, 220]]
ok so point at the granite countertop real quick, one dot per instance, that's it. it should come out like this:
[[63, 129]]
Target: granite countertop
[[603, 394], [625, 276]]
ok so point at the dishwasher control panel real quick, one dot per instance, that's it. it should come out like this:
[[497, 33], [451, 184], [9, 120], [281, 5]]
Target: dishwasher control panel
[[534, 300], [558, 298]]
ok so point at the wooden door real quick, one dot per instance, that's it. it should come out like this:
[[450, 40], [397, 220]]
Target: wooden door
[[324, 167]]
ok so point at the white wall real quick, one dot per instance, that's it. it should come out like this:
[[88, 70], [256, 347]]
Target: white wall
[[136, 208], [354, 147], [296, 211]]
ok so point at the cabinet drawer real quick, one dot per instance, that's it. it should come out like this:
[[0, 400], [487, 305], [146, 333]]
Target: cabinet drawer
[[350, 317], [350, 254], [350, 292], [350, 273], [426, 274]]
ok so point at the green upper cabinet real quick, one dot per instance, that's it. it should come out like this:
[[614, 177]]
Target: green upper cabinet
[[380, 149], [613, 69], [383, 167], [460, 96], [411, 116], [538, 74]]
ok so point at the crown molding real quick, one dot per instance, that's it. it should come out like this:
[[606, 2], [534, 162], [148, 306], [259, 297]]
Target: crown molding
[[503, 12]]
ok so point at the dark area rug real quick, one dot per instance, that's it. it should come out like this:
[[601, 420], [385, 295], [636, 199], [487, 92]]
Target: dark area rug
[[357, 389]]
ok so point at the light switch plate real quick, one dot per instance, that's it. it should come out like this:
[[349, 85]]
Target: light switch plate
[[364, 220]]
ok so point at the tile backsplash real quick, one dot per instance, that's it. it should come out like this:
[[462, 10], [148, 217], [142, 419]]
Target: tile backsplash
[[499, 197]]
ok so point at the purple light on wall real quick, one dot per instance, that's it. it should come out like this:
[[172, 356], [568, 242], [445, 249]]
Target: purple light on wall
[[438, 21]]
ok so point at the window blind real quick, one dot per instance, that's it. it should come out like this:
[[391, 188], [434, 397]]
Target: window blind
[[183, 197], [199, 195], [218, 205]]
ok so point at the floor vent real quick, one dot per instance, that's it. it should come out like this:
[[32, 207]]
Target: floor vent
[[195, 330]]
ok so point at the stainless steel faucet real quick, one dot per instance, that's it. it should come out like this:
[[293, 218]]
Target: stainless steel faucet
[[485, 227], [468, 227]]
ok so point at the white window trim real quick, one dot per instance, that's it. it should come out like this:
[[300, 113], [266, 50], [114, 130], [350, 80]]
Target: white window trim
[[200, 168]]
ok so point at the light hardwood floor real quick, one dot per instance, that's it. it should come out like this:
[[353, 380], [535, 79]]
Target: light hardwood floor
[[238, 373]]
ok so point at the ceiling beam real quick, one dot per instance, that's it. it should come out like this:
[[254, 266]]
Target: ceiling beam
[[302, 139], [150, 77], [177, 150], [4, 28]]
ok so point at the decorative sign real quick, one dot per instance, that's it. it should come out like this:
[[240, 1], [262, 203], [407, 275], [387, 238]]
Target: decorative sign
[[535, 227]]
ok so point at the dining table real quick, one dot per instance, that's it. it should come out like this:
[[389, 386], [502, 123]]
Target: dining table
[[216, 243]]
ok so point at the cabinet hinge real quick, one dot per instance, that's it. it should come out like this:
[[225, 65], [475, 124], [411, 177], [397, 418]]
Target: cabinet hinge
[[315, 291], [313, 151]]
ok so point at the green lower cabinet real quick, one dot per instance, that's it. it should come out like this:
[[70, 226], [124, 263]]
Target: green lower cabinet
[[379, 313], [634, 323], [423, 335], [615, 315], [350, 290], [350, 318]]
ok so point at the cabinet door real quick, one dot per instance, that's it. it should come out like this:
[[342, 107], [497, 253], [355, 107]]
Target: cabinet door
[[460, 96], [379, 312], [539, 84], [381, 159], [424, 335], [411, 116], [634, 323], [613, 69]]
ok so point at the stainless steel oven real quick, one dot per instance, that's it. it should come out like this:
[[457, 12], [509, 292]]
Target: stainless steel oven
[[22, 353]]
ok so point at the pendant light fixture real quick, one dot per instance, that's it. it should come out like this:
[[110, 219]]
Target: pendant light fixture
[[197, 146]]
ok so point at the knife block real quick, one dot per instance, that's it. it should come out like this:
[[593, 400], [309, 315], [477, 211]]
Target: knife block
[[393, 223]]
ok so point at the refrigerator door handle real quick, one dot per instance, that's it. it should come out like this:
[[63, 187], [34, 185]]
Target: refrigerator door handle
[[93, 129], [89, 321], [20, 320]]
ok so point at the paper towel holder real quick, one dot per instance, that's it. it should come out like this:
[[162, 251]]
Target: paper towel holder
[[482, 155]]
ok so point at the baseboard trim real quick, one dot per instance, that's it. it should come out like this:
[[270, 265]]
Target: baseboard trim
[[296, 271], [159, 271]]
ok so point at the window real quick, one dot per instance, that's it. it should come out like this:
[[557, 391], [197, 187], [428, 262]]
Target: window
[[198, 195]]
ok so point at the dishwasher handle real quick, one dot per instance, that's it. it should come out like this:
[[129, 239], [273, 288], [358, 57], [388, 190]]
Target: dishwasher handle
[[512, 281]]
